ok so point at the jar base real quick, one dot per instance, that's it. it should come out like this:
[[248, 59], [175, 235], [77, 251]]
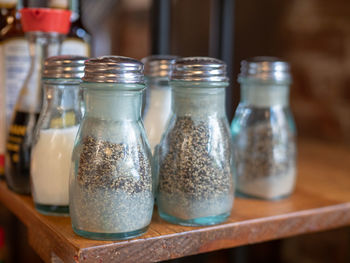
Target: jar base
[[110, 236], [53, 210], [249, 196], [201, 221]]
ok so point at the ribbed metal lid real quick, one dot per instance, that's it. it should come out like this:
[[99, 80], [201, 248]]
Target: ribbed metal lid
[[158, 65], [114, 69], [265, 68], [64, 67], [199, 69]]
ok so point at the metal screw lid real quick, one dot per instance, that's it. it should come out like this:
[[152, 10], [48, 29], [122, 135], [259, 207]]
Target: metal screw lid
[[64, 67], [114, 69], [265, 68], [158, 65], [199, 69]]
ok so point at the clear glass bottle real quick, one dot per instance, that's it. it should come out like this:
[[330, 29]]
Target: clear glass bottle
[[158, 96], [195, 158], [44, 40], [55, 133], [111, 182], [263, 130]]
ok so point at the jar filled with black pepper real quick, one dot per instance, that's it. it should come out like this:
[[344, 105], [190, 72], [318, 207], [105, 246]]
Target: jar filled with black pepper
[[263, 130], [111, 194], [195, 158]]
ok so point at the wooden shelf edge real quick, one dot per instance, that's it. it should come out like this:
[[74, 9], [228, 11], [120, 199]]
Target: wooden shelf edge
[[321, 202], [40, 234], [222, 236]]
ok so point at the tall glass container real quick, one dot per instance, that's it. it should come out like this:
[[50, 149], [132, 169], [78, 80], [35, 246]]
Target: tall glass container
[[111, 182], [158, 96], [44, 39], [263, 130], [195, 158], [14, 65], [55, 134]]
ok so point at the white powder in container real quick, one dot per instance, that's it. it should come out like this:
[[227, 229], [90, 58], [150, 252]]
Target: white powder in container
[[158, 114], [50, 166], [271, 187]]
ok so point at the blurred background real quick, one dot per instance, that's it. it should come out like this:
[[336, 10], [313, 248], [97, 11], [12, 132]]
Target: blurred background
[[312, 35]]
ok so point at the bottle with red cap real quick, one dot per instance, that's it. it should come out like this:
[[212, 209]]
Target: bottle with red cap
[[45, 30]]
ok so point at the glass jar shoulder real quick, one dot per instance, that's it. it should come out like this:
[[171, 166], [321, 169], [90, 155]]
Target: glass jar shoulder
[[208, 134], [126, 134], [276, 118], [61, 111], [117, 149]]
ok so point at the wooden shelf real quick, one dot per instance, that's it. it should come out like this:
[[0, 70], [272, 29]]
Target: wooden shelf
[[321, 202]]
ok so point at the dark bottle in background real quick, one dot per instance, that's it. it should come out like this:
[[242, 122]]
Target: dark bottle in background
[[14, 66], [18, 150]]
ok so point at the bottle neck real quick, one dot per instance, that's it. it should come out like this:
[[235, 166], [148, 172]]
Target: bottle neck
[[61, 104], [159, 93], [201, 102], [41, 46], [264, 94], [113, 105], [74, 5]]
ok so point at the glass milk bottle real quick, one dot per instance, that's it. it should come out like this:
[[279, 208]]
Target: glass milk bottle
[[158, 99], [44, 37], [195, 158], [263, 130], [111, 180], [55, 134]]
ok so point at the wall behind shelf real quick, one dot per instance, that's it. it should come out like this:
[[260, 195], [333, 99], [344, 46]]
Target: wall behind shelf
[[313, 35]]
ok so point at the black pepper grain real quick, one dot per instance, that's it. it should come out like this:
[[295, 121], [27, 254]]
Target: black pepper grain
[[100, 165], [193, 162], [261, 152]]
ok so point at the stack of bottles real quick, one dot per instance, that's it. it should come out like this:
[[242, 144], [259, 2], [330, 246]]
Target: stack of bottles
[[88, 154]]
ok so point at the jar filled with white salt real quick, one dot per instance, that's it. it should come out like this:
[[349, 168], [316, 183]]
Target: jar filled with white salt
[[158, 96], [55, 134], [263, 130]]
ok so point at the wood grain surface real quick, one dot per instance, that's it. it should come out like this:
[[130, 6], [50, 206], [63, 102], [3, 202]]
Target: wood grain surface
[[321, 202]]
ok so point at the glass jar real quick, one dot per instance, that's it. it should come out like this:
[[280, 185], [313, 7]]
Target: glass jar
[[195, 158], [263, 130], [111, 182], [55, 134], [158, 96], [45, 40]]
